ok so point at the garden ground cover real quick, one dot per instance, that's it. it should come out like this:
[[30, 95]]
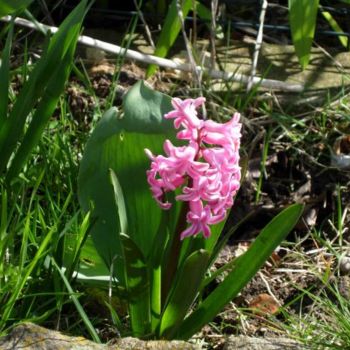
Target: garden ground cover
[[296, 168]]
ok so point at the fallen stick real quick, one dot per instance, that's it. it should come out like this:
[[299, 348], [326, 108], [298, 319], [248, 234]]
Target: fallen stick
[[258, 43], [163, 62]]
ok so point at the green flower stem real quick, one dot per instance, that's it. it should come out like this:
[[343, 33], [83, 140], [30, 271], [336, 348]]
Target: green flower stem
[[156, 304], [174, 254]]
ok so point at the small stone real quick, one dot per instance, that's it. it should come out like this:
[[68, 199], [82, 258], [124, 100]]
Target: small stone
[[137, 344], [344, 265], [250, 343]]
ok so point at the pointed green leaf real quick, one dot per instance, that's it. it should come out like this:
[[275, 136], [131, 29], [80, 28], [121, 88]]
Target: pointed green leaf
[[95, 190], [184, 292], [170, 32], [302, 20], [138, 287], [244, 270], [336, 27], [8, 7]]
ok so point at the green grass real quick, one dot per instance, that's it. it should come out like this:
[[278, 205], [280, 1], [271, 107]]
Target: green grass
[[325, 324], [36, 216]]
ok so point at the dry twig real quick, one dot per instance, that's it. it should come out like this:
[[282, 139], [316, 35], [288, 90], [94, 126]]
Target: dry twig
[[257, 45]]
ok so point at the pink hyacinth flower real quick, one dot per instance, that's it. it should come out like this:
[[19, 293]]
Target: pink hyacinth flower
[[207, 168]]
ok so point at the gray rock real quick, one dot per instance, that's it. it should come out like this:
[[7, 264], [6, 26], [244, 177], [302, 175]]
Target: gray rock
[[136, 344], [249, 343], [29, 336]]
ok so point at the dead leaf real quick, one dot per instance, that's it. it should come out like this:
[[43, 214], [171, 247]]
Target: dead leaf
[[264, 304]]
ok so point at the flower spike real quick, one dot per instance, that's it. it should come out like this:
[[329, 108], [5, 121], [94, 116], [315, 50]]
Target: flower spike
[[207, 167]]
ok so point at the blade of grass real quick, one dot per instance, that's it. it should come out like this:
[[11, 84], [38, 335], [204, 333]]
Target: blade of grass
[[263, 165], [336, 27], [23, 278], [77, 304]]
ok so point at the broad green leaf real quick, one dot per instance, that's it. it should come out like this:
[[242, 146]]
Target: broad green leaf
[[80, 258], [170, 32], [143, 111], [95, 190], [34, 88], [91, 268], [5, 76], [8, 7], [118, 143], [302, 20], [137, 286], [184, 292], [335, 26], [244, 270]]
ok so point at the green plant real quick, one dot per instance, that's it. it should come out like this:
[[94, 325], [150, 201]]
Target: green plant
[[41, 229], [22, 124], [302, 21], [161, 278], [323, 319], [170, 31], [30, 287], [9, 7], [172, 26], [335, 26]]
